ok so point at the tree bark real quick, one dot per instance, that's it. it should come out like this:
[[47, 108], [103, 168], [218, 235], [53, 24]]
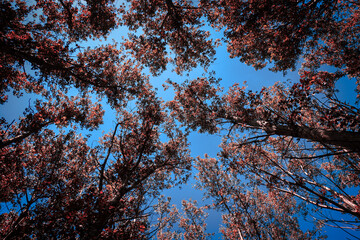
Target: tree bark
[[344, 139]]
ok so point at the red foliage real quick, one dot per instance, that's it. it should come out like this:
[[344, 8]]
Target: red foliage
[[303, 145]]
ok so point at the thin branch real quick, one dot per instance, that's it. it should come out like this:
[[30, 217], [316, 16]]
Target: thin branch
[[323, 155], [70, 18], [19, 138], [309, 200], [106, 158], [344, 229]]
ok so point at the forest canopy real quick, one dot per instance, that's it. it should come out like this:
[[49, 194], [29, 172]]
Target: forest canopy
[[289, 151]]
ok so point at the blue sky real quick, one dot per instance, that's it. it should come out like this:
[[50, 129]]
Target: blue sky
[[231, 71]]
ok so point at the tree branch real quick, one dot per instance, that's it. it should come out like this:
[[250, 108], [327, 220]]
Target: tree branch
[[106, 159]]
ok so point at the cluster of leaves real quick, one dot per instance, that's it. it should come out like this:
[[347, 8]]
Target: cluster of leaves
[[53, 184], [303, 144], [191, 224], [249, 212], [297, 145]]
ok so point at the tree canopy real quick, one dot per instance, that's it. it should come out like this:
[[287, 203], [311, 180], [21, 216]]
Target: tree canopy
[[289, 151]]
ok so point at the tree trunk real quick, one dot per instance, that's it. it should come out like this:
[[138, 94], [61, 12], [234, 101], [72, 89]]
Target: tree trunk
[[344, 139]]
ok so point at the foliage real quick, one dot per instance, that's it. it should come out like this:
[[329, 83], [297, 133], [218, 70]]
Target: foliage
[[299, 157], [53, 183], [189, 225]]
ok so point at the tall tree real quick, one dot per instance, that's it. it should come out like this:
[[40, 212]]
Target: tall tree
[[292, 146], [249, 212], [302, 145], [303, 141], [53, 183]]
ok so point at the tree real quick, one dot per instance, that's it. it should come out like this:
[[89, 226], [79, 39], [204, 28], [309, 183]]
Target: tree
[[303, 143], [250, 213], [53, 183], [172, 224]]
